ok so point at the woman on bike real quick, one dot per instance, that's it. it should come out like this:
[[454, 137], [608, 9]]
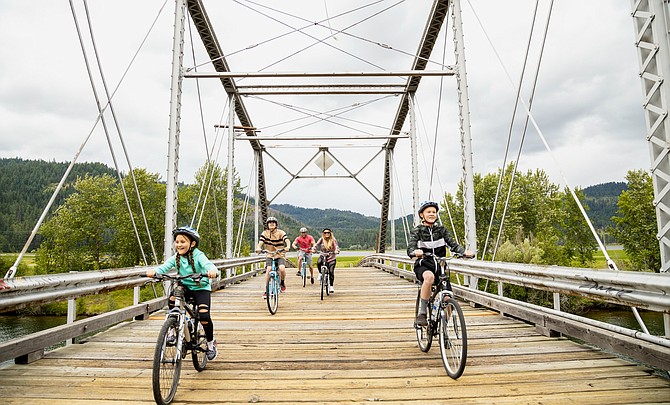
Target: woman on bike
[[430, 237], [189, 259], [276, 243], [305, 242], [327, 244]]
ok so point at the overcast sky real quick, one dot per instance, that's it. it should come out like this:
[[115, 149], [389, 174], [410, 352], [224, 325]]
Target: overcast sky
[[588, 101]]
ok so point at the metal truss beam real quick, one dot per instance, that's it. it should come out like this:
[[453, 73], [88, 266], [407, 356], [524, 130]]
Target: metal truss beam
[[651, 28], [437, 18]]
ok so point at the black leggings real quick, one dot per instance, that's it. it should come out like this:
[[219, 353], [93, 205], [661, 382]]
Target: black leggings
[[331, 270], [203, 300]]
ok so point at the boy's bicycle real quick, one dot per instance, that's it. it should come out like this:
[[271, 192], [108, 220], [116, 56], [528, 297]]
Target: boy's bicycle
[[446, 320], [273, 285], [181, 332], [325, 274]]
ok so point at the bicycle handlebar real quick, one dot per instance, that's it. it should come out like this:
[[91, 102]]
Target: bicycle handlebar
[[177, 277]]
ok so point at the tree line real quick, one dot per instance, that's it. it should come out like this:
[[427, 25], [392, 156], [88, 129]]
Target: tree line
[[91, 227]]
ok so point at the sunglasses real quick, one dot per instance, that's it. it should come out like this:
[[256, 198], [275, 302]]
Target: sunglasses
[[326, 233]]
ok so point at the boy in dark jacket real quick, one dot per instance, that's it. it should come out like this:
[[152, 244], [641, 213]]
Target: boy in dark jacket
[[430, 237]]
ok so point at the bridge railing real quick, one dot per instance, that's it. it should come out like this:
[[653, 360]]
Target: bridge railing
[[22, 292], [650, 291]]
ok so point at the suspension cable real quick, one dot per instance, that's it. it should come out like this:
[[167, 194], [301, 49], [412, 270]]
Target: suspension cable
[[125, 151], [104, 123], [13, 269], [509, 140]]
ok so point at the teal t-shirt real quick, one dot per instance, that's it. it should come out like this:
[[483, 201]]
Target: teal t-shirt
[[202, 265]]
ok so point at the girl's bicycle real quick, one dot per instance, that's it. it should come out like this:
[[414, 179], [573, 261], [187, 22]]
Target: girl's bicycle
[[181, 332], [325, 274], [273, 286], [446, 320]]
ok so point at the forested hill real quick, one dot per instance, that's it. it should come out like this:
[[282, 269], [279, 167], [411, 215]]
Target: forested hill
[[27, 186], [602, 202]]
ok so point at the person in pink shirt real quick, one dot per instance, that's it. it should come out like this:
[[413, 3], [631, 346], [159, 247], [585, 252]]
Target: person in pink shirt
[[304, 244]]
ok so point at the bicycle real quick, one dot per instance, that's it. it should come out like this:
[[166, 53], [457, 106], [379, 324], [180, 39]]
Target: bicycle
[[181, 332], [325, 274], [303, 268], [273, 286], [446, 320]]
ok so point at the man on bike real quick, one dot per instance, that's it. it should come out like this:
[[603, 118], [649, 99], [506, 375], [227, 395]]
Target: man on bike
[[430, 237], [305, 242], [276, 243]]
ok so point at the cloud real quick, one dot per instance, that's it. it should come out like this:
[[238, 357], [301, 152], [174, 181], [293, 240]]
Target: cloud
[[587, 102]]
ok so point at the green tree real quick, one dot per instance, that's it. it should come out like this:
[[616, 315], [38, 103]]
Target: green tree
[[207, 199], [635, 222], [77, 236], [152, 194], [578, 241]]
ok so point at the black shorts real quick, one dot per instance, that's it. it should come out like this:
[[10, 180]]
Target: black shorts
[[419, 270]]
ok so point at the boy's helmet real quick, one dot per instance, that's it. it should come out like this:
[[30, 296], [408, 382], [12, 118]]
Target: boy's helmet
[[271, 219], [427, 204], [189, 232]]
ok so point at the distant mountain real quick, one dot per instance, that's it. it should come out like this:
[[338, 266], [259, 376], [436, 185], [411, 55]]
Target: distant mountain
[[602, 201], [351, 229]]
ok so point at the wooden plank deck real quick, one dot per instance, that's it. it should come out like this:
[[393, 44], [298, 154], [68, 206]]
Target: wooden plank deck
[[356, 346]]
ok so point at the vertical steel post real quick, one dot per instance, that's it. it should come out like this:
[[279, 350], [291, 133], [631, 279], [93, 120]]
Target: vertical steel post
[[229, 185], [173, 141], [414, 153], [391, 205], [466, 137]]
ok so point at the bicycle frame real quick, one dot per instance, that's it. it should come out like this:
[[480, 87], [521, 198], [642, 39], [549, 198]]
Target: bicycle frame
[[446, 320], [188, 335]]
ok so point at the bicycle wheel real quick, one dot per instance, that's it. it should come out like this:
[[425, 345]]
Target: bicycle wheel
[[167, 364], [198, 346], [324, 281], [424, 334], [272, 292], [304, 273], [453, 338]]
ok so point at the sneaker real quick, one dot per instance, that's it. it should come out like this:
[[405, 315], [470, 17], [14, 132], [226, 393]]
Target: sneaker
[[265, 295], [312, 278], [331, 289], [171, 339], [319, 278], [421, 320], [283, 288], [211, 351], [298, 273]]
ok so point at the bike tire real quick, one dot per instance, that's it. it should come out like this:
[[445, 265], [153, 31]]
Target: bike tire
[[304, 273], [424, 334], [272, 292], [453, 338], [199, 346], [166, 365], [324, 282]]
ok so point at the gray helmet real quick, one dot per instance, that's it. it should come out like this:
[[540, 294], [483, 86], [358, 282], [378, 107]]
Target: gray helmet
[[303, 229], [427, 204], [189, 232], [271, 219]]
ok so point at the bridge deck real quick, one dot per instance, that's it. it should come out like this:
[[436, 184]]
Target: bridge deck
[[356, 346]]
